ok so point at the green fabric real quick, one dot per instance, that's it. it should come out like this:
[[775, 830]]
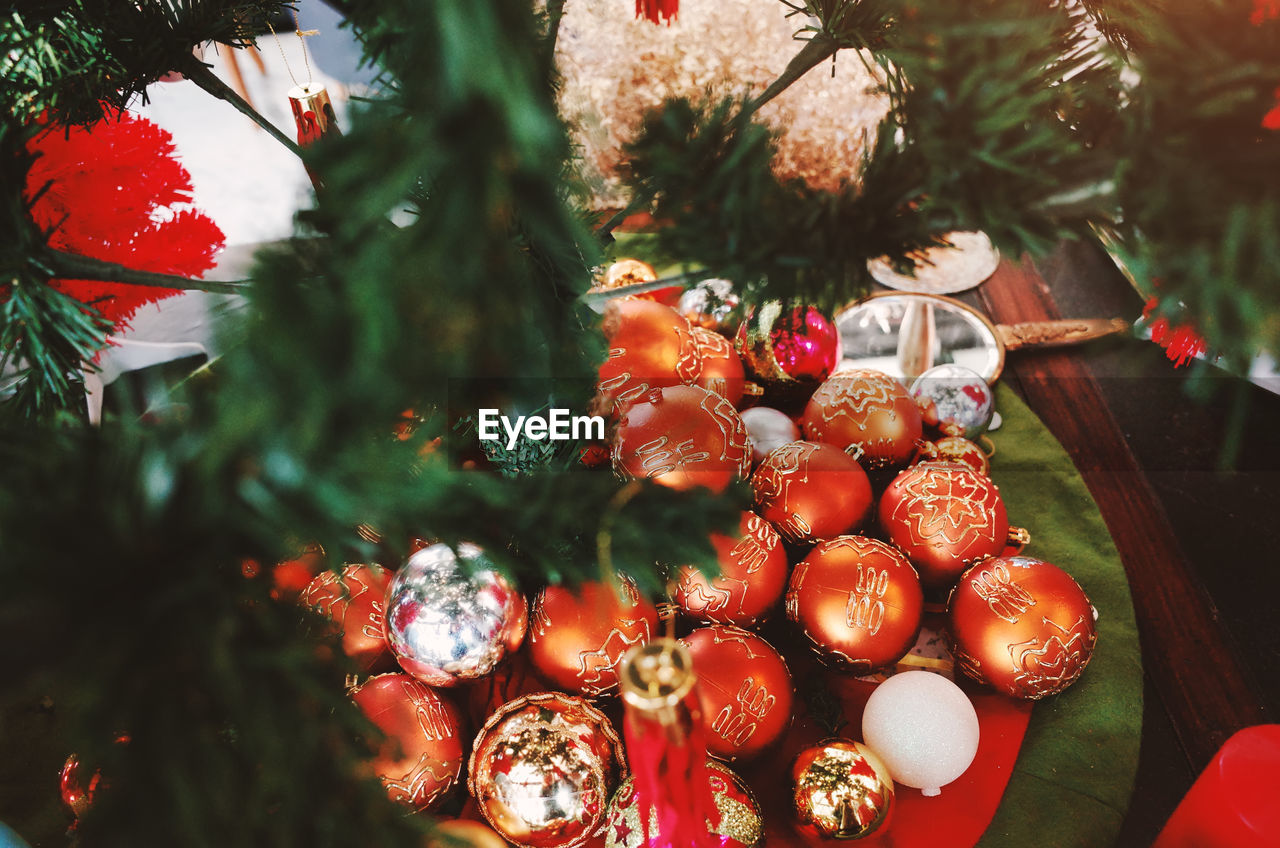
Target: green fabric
[[1075, 772]]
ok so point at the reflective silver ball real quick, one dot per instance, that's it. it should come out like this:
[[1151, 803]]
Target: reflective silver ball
[[709, 304], [449, 622], [960, 394]]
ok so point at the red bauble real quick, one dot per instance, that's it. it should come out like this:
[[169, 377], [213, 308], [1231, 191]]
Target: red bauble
[[512, 679], [681, 437], [753, 573], [944, 516], [858, 601], [1021, 625], [355, 602], [421, 757], [788, 347], [577, 637], [961, 450], [868, 409], [289, 579], [744, 688], [721, 367], [77, 788], [650, 346], [809, 491]]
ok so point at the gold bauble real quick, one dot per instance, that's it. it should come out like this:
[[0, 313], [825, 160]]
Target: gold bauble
[[840, 790]]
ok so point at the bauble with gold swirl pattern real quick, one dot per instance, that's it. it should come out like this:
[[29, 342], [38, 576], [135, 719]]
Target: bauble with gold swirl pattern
[[867, 409]]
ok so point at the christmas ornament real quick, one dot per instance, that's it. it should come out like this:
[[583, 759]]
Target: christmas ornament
[[943, 516], [753, 572], [542, 769], [290, 578], [923, 727], [313, 117], [513, 678], [132, 207], [459, 832], [626, 272], [858, 601], [866, 409], [961, 450], [667, 748], [447, 623], [768, 429], [721, 368], [809, 491], [353, 601], [959, 394], [741, 825], [788, 351], [577, 637], [1022, 626], [681, 437], [420, 759], [77, 788], [650, 346], [744, 688], [709, 304], [840, 790], [657, 10]]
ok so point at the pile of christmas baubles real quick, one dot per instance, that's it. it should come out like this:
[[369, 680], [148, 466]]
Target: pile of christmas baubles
[[869, 504]]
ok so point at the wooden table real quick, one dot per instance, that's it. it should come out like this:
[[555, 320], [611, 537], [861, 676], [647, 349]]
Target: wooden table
[[1199, 541]]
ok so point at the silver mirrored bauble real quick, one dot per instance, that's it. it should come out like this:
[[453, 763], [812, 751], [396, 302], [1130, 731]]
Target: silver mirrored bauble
[[960, 394], [709, 304], [449, 622]]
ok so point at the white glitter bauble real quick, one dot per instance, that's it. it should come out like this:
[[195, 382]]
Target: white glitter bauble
[[923, 727]]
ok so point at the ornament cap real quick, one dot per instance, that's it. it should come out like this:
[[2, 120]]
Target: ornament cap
[[658, 675]]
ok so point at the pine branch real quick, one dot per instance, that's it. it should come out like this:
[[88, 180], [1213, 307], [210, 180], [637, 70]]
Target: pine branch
[[815, 51], [199, 73], [71, 266]]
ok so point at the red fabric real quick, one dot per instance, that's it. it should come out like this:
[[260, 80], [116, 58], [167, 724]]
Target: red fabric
[[657, 10], [955, 819], [106, 192]]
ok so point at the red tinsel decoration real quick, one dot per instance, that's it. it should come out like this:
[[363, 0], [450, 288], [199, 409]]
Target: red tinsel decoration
[[1181, 343], [107, 192], [657, 10]]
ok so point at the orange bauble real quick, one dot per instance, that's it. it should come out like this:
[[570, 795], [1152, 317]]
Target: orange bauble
[[650, 346], [744, 688], [944, 516], [868, 409], [753, 573], [809, 491], [354, 601], [1022, 626], [721, 366], [961, 450], [858, 601], [577, 637], [681, 437], [628, 272], [421, 757]]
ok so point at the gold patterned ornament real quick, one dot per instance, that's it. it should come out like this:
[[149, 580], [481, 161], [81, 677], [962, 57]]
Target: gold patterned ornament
[[944, 516], [741, 825], [542, 770], [421, 758], [809, 491], [840, 790], [1022, 626], [867, 410]]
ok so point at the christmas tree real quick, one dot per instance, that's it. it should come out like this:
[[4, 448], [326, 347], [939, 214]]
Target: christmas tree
[[123, 546]]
